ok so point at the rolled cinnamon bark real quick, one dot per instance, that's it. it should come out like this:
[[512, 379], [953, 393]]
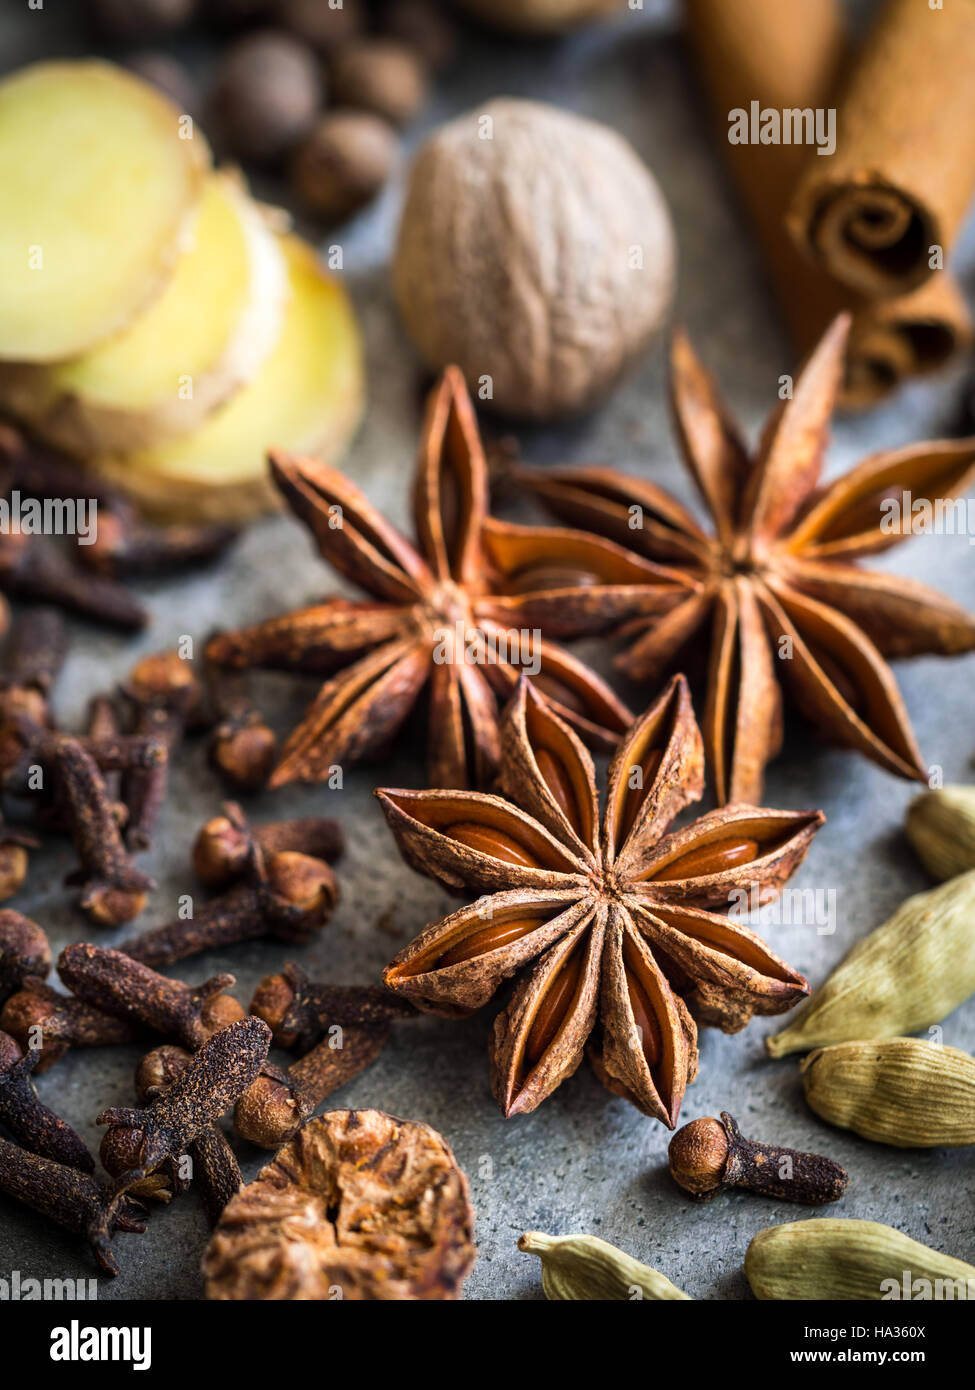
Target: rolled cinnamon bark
[[904, 168], [759, 50]]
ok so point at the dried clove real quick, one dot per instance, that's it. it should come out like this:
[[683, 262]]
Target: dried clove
[[243, 749], [35, 653], [30, 569], [24, 951], [128, 989], [47, 1023], [113, 889], [31, 1123], [14, 860], [124, 547], [224, 845], [72, 1199], [139, 1141], [708, 1155], [288, 896], [278, 1101], [300, 1012], [104, 729], [214, 1165], [166, 697], [32, 660]]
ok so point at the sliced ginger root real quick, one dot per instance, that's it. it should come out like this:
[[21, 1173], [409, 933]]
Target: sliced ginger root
[[99, 183]]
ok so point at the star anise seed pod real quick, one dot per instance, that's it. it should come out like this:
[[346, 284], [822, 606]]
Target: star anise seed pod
[[385, 649], [778, 576], [617, 935]]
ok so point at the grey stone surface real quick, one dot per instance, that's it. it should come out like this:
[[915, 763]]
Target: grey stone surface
[[585, 1161]]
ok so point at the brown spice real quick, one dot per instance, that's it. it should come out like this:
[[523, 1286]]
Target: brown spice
[[708, 1155], [47, 1023], [388, 647], [294, 898], [24, 951], [32, 1124], [125, 548], [624, 924], [129, 990], [779, 574], [378, 75], [113, 889], [72, 1199], [215, 1170], [166, 697], [243, 749], [277, 1103], [359, 1205], [300, 1011], [222, 848], [34, 570], [343, 162], [266, 95], [139, 1141]]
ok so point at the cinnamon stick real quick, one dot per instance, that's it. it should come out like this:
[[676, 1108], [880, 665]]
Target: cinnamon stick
[[759, 50], [904, 169]]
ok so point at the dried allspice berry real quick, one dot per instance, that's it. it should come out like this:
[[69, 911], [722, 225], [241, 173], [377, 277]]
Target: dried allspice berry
[[359, 1205]]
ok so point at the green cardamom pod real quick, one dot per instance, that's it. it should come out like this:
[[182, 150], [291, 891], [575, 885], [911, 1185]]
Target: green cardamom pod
[[585, 1267], [900, 1091], [941, 827], [837, 1258], [909, 973]]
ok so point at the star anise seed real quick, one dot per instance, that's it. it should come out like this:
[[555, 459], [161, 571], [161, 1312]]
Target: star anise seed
[[779, 575], [382, 651], [618, 935]]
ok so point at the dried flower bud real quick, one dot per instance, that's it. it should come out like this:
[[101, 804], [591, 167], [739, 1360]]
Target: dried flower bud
[[24, 951]]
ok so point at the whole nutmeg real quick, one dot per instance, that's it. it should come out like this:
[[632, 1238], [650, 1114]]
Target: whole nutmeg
[[266, 96], [169, 76], [343, 163], [320, 24], [140, 19], [540, 16], [536, 250], [379, 75]]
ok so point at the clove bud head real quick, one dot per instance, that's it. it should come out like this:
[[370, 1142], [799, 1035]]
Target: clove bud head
[[24, 948], [307, 889], [269, 1112], [219, 1010], [272, 1001], [244, 756], [698, 1156], [708, 1155]]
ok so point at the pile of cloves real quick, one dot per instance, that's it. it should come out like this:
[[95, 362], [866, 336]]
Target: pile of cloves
[[87, 580], [105, 787], [206, 1055]]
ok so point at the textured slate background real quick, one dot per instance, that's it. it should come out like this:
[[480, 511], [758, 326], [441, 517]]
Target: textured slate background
[[584, 1161]]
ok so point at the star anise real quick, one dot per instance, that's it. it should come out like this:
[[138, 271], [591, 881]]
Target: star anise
[[436, 617], [778, 577], [625, 924]]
